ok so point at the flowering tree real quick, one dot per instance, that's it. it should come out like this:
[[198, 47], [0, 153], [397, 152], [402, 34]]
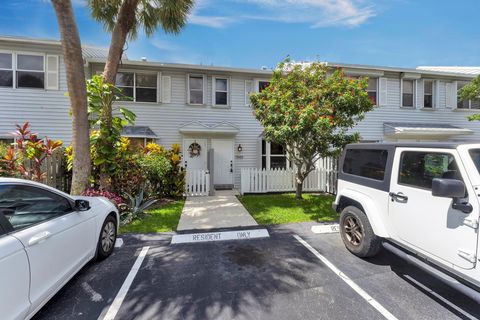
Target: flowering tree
[[309, 111], [471, 91]]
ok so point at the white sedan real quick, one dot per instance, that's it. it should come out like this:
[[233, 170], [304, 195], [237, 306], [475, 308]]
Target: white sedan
[[46, 237]]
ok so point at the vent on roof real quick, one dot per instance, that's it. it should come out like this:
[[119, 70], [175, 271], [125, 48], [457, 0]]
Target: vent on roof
[[144, 58]]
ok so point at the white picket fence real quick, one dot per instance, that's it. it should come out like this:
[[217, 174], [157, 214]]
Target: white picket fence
[[197, 183], [322, 179]]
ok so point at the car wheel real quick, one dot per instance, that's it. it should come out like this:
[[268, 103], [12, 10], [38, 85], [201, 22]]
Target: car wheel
[[357, 233], [108, 236]]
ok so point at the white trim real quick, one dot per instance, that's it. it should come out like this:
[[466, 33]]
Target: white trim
[[204, 89], [414, 84], [134, 87], [376, 90], [433, 94], [214, 90]]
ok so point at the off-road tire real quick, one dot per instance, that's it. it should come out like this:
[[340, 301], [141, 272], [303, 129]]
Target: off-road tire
[[357, 233]]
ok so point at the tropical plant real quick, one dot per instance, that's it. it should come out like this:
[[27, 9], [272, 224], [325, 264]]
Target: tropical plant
[[113, 197], [73, 60], [156, 167], [107, 134], [138, 204], [309, 111], [175, 178], [27, 157], [471, 91]]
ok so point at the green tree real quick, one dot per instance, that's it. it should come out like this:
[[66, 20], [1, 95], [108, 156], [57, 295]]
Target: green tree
[[125, 18], [471, 91], [72, 55], [309, 111]]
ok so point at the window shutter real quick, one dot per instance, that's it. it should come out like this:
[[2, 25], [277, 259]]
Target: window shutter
[[248, 91], [436, 94], [166, 89], [451, 93], [382, 88], [419, 94], [52, 74]]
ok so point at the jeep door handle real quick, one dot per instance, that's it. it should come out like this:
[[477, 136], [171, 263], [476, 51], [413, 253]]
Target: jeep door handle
[[398, 196]]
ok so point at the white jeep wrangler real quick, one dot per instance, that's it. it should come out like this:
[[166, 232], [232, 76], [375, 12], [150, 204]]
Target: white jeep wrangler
[[420, 201]]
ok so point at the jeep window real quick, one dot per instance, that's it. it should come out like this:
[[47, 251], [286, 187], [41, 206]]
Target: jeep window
[[366, 163], [417, 169], [475, 155]]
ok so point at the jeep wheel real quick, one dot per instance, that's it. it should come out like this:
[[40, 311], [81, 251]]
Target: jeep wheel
[[357, 233]]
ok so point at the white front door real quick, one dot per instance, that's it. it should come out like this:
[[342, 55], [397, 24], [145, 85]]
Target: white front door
[[222, 161], [429, 223], [195, 154]]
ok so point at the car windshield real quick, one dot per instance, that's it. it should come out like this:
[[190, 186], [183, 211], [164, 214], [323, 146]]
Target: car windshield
[[475, 154]]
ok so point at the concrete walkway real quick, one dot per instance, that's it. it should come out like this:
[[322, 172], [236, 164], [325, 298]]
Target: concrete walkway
[[220, 211]]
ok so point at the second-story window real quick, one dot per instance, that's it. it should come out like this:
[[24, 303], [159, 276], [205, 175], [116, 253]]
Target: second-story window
[[6, 70], [138, 87], [195, 89], [428, 89], [465, 104], [262, 85], [30, 71], [408, 93], [372, 90], [221, 91]]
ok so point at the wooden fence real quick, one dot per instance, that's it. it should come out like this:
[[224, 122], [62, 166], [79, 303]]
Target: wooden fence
[[197, 183], [322, 179]]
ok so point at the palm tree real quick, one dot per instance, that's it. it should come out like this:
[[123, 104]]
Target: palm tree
[[72, 53], [124, 19]]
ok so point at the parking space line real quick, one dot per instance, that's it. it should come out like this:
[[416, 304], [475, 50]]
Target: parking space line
[[374, 303], [117, 302]]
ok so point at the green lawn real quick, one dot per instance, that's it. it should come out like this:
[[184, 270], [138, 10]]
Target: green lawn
[[284, 208], [162, 219]]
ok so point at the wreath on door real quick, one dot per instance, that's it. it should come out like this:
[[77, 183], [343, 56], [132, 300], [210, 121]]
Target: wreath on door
[[194, 150]]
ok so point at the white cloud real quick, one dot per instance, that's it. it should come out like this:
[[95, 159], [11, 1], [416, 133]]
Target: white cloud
[[210, 21], [318, 13]]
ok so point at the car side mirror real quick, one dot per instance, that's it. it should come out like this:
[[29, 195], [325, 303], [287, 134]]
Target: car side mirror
[[82, 205], [448, 188], [452, 188]]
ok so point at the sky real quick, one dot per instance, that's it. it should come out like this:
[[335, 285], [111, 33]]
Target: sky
[[257, 33]]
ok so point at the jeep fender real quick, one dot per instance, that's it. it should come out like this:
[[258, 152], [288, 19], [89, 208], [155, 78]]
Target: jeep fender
[[373, 213]]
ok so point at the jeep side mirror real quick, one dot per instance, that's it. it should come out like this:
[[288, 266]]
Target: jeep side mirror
[[451, 188], [82, 205], [448, 188]]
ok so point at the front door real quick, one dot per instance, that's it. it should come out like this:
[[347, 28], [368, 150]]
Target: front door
[[222, 161], [195, 154], [429, 223]]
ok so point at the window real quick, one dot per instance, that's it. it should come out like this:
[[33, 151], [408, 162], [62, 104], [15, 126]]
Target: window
[[366, 163], [220, 90], [24, 206], [372, 90], [30, 71], [428, 89], [465, 104], [139, 87], [6, 141], [195, 89], [417, 169], [262, 84], [407, 93], [274, 156], [6, 70]]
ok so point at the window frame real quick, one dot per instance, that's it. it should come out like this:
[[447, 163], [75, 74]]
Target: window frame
[[214, 91], [469, 101], [433, 94], [29, 53], [402, 93], [196, 75], [268, 155], [11, 229], [134, 87], [376, 89], [439, 152], [257, 84], [12, 69]]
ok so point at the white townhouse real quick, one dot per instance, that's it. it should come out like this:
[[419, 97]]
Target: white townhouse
[[206, 108]]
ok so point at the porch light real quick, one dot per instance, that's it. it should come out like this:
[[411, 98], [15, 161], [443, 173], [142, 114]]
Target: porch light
[[239, 148]]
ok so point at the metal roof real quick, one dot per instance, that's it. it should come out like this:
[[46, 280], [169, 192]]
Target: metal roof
[[409, 129], [454, 69], [426, 144], [138, 132]]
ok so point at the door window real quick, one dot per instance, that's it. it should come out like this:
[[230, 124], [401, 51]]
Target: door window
[[24, 206], [418, 169]]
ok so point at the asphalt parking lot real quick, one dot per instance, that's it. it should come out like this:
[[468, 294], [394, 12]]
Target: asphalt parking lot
[[271, 278]]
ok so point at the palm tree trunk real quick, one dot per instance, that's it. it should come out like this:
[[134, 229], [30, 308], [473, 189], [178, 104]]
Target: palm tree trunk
[[72, 53]]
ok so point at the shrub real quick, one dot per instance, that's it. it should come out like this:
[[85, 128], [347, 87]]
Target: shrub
[[113, 197], [175, 178], [156, 167]]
